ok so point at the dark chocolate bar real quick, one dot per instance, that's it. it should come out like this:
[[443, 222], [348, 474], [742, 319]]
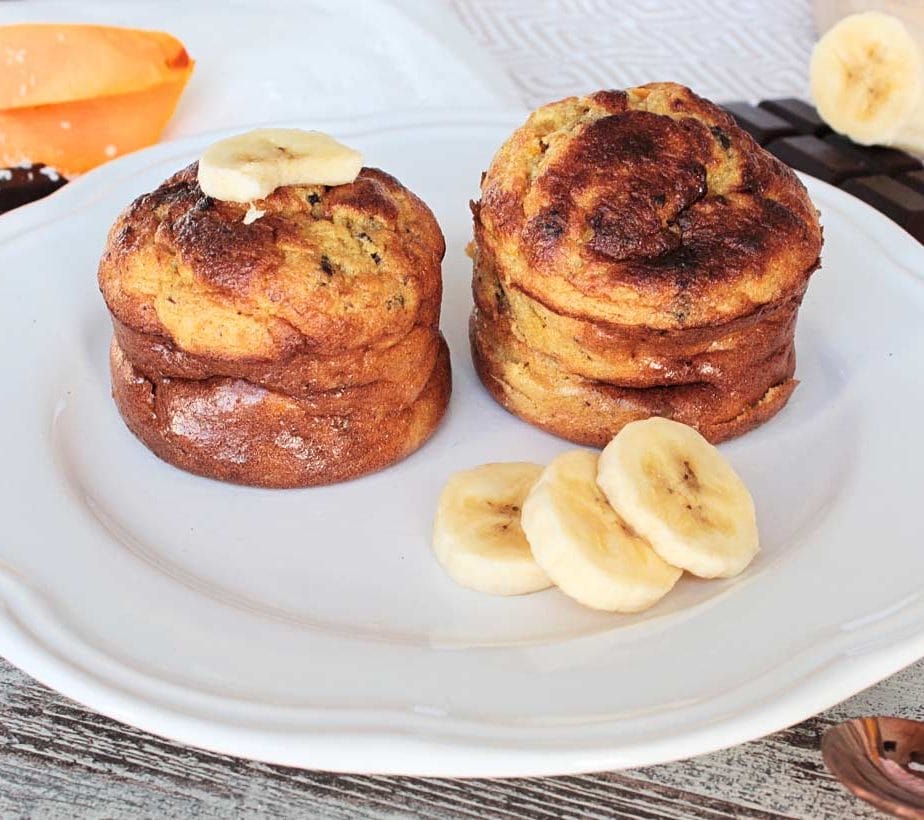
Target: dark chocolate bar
[[914, 180], [890, 180], [878, 159], [27, 183], [760, 124], [799, 113], [898, 202], [819, 158]]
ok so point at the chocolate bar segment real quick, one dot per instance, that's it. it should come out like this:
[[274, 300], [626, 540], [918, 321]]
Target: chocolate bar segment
[[877, 158], [914, 180], [799, 114], [889, 180], [898, 202], [819, 158], [760, 124], [27, 183]]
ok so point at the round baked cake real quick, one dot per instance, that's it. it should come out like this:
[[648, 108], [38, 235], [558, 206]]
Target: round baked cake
[[636, 253], [298, 348]]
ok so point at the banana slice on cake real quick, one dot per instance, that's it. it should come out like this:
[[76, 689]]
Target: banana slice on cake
[[250, 166], [586, 548], [867, 80], [477, 536], [675, 489]]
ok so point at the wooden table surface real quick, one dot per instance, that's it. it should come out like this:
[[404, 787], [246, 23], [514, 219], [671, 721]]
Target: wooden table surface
[[60, 760]]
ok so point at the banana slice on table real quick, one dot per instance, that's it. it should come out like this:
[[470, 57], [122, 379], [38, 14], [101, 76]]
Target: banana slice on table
[[477, 536], [250, 166], [675, 489], [867, 80], [591, 553]]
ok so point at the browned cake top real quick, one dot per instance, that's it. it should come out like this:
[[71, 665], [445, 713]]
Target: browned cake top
[[645, 207], [323, 269]]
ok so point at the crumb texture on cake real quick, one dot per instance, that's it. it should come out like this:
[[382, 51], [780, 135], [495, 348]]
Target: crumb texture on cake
[[323, 270], [236, 431], [635, 254], [648, 206], [299, 349]]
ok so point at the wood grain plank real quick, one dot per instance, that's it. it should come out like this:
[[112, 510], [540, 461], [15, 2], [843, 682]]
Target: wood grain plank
[[59, 760]]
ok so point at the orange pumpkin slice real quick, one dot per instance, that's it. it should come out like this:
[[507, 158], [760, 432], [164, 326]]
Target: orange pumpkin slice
[[76, 96], [43, 63], [77, 136]]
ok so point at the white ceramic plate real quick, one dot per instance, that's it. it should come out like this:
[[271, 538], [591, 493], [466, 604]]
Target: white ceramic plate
[[313, 627]]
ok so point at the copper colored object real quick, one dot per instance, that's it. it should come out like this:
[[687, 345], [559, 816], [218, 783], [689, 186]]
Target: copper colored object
[[881, 760]]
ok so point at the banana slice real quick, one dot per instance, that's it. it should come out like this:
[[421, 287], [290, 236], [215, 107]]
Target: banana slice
[[584, 546], [251, 166], [867, 80], [477, 535], [675, 489]]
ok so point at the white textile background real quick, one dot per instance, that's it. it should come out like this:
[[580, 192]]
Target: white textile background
[[284, 60], [734, 50]]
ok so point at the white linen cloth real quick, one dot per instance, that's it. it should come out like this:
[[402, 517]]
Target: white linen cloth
[[264, 61], [742, 50]]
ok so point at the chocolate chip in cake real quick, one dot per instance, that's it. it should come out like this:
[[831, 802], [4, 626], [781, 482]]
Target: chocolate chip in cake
[[721, 136]]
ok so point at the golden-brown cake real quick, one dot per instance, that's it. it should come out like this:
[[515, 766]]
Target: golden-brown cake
[[234, 430], [635, 241], [638, 357], [398, 367], [591, 412], [299, 348], [323, 271]]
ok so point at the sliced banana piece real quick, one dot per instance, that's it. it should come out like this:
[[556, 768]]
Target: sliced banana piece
[[477, 536], [867, 80], [676, 489], [591, 553], [250, 166]]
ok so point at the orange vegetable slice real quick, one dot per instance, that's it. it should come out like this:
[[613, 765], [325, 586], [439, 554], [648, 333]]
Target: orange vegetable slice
[[74, 97], [76, 136], [42, 63]]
